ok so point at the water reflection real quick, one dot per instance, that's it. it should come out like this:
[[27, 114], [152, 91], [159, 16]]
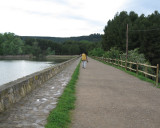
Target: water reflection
[[13, 69]]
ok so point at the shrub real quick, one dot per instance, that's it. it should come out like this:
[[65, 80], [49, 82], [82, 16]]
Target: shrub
[[135, 56], [113, 53], [96, 52]]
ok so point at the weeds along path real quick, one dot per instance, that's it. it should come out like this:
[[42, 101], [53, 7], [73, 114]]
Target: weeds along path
[[33, 110], [110, 98]]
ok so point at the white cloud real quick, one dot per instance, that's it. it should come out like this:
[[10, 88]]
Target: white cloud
[[57, 17]]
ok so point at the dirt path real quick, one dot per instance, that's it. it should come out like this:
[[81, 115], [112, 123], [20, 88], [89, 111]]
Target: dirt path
[[110, 98], [32, 111]]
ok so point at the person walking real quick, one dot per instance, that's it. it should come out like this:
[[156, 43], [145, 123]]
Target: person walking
[[84, 60]]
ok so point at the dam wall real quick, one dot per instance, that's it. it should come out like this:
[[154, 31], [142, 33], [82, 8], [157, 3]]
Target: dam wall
[[14, 91]]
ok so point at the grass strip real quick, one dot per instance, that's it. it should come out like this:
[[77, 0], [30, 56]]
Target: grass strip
[[60, 117], [140, 76]]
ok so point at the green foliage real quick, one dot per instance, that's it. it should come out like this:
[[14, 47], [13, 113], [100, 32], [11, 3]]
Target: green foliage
[[96, 52], [49, 51], [91, 38], [10, 44], [134, 56], [74, 47], [113, 53], [60, 116], [143, 34]]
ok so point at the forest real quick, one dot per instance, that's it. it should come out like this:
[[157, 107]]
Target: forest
[[11, 44], [143, 34], [91, 38]]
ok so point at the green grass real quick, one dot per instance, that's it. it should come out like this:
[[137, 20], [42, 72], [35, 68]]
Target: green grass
[[60, 117], [140, 75]]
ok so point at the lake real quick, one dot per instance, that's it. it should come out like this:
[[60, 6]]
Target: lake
[[11, 70]]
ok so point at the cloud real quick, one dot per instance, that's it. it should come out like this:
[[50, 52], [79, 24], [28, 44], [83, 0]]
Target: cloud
[[64, 17]]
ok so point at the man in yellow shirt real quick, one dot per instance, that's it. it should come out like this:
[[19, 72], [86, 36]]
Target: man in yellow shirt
[[84, 60]]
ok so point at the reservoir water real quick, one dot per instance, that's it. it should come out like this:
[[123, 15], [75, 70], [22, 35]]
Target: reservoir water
[[11, 70]]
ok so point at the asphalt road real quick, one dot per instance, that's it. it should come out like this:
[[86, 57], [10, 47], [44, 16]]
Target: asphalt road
[[110, 98]]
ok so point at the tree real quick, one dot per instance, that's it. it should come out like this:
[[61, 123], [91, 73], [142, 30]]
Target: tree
[[144, 34]]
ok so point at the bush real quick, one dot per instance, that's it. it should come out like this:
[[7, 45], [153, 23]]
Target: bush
[[135, 56], [112, 53], [96, 52]]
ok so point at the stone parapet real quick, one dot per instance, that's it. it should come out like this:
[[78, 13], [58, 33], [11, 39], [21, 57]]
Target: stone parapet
[[12, 92]]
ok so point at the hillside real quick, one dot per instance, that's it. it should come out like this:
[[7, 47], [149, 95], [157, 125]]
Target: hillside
[[90, 38]]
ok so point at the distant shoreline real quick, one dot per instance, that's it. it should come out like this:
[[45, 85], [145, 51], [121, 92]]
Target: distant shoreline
[[60, 56], [16, 57], [30, 57]]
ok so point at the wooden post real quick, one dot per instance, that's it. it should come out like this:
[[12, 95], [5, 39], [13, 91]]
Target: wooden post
[[137, 69], [146, 71], [157, 72], [121, 60], [130, 65], [126, 47], [118, 62]]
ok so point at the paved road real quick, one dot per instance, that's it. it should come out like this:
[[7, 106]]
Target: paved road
[[32, 111], [110, 98]]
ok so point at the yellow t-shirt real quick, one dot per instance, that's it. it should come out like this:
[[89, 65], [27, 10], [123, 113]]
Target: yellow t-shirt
[[84, 57]]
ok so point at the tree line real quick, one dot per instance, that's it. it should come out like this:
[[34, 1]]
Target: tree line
[[10, 44], [96, 37], [143, 33]]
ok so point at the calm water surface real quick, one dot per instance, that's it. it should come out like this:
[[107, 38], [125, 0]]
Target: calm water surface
[[13, 69]]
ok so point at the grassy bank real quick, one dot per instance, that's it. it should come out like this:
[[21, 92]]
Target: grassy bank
[[140, 75], [60, 117]]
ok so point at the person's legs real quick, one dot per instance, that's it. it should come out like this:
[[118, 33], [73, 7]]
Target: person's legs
[[83, 64]]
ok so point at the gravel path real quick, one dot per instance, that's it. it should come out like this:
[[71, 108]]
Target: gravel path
[[110, 98], [32, 111]]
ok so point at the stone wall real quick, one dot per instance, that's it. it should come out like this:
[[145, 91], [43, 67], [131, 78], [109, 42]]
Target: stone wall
[[12, 92]]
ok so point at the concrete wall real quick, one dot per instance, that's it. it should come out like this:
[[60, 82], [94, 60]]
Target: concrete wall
[[12, 92]]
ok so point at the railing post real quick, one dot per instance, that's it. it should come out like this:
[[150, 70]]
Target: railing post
[[130, 65], [126, 65], [157, 72], [137, 69], [121, 60], [118, 62], [145, 71]]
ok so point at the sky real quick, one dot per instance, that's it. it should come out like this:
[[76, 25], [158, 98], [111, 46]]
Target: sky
[[66, 18]]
